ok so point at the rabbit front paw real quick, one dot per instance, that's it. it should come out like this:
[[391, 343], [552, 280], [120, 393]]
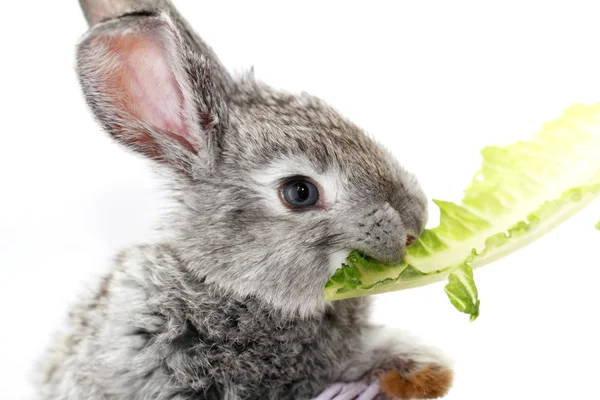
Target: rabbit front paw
[[430, 381]]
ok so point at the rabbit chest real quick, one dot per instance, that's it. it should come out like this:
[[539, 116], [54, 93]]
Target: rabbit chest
[[205, 340]]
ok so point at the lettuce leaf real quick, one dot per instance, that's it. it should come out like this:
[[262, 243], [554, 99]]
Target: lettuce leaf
[[462, 292], [522, 191]]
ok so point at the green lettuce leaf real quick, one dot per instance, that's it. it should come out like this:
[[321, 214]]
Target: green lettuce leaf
[[522, 191], [462, 292]]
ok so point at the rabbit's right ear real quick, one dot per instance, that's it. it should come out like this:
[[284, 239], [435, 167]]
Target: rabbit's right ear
[[151, 94]]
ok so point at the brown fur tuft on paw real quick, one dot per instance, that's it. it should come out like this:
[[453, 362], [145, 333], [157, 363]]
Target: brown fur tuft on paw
[[430, 382]]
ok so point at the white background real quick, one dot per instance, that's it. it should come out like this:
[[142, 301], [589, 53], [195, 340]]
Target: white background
[[435, 82]]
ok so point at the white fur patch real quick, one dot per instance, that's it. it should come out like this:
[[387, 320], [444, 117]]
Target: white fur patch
[[403, 344], [337, 258]]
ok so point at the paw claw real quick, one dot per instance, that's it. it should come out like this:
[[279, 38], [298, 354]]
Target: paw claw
[[431, 382]]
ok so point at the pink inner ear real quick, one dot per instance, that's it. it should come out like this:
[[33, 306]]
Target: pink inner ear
[[145, 86]]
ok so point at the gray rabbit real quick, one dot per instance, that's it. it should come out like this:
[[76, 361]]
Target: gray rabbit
[[272, 191]]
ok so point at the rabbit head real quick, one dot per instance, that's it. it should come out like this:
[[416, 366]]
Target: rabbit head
[[273, 189]]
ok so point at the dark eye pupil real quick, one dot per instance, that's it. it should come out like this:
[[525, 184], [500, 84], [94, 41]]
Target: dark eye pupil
[[302, 191]]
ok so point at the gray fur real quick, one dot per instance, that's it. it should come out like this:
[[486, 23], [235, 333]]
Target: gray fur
[[229, 305]]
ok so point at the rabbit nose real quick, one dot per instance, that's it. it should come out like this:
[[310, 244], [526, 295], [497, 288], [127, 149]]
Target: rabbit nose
[[382, 235]]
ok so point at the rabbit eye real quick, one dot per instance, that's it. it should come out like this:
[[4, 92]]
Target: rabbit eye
[[300, 192]]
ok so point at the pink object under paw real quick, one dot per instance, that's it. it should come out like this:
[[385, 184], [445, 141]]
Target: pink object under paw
[[351, 391]]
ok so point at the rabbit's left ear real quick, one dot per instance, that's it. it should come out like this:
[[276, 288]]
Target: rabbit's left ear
[[97, 11], [148, 92]]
